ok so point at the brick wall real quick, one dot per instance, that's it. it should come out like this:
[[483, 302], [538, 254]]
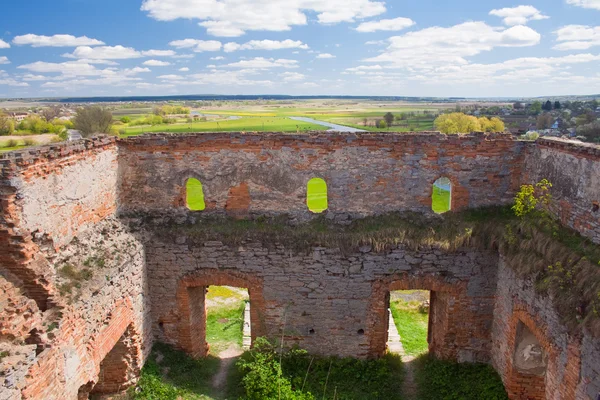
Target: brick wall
[[573, 370], [267, 173], [321, 299], [573, 168]]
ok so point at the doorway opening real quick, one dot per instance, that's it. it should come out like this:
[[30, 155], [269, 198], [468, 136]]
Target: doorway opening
[[409, 322], [227, 320]]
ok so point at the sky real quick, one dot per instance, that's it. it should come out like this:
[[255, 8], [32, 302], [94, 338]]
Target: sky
[[459, 48]]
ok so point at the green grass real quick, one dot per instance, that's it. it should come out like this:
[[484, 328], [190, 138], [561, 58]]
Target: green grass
[[440, 200], [316, 195], [437, 380], [224, 326], [180, 377], [250, 124], [412, 326], [194, 195]]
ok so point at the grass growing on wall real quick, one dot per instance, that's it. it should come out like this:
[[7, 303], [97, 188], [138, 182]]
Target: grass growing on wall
[[437, 379]]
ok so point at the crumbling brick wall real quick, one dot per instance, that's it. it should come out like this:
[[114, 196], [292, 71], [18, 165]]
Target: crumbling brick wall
[[573, 370], [573, 168], [323, 300], [366, 174]]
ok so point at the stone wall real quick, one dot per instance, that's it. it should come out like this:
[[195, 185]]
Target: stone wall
[[573, 168], [573, 369], [323, 300], [267, 173]]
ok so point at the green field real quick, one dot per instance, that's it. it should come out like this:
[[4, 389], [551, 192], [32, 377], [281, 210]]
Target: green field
[[412, 324], [244, 124], [440, 200]]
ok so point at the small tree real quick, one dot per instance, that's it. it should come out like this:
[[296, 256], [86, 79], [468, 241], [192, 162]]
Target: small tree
[[93, 119], [389, 118], [518, 105], [50, 113], [544, 121], [547, 106], [381, 124], [7, 125], [365, 121], [531, 196], [557, 105], [535, 108]]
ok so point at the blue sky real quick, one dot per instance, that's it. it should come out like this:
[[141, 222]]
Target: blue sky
[[345, 47]]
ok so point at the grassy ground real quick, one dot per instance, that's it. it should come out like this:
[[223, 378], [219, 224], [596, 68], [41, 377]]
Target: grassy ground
[[171, 375], [250, 124], [224, 326], [440, 200], [411, 323], [444, 380]]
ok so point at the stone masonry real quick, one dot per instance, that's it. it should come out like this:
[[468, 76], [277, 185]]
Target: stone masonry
[[89, 280]]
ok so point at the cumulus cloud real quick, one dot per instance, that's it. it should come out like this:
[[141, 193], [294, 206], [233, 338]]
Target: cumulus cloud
[[197, 45], [292, 76], [265, 45], [217, 58], [261, 62], [184, 69], [55, 41], [4, 45], [577, 37], [171, 77], [227, 78], [158, 53], [70, 68], [4, 60], [594, 4], [396, 24], [104, 53], [12, 82], [156, 63], [325, 55], [232, 18], [442, 46], [518, 15]]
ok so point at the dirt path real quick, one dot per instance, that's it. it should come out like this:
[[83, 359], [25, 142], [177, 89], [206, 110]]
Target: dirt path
[[227, 359], [409, 386]]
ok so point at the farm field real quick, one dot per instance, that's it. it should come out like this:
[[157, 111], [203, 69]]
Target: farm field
[[251, 124]]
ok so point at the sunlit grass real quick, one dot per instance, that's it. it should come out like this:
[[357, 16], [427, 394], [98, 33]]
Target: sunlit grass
[[412, 324]]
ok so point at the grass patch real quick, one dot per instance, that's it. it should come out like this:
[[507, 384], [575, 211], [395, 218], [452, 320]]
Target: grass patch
[[412, 324], [224, 326], [249, 124], [180, 377], [440, 200], [447, 380]]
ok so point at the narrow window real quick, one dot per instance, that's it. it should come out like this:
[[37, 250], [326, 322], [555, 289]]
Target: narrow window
[[194, 195], [316, 195], [441, 199]]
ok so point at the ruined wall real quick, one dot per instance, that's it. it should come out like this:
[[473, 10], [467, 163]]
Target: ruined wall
[[325, 301], [573, 369], [366, 174], [72, 277], [573, 168]]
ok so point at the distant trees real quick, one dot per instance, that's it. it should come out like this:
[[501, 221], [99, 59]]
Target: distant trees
[[171, 110], [37, 124], [50, 113], [535, 108], [381, 124], [557, 105], [590, 131], [461, 123], [389, 118], [547, 106], [518, 105], [93, 119], [365, 121], [544, 121], [586, 118], [125, 119], [7, 125]]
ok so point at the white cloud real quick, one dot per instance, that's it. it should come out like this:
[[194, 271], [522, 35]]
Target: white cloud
[[292, 76], [325, 55], [265, 45], [183, 56], [55, 41], [158, 53], [595, 4], [171, 77], [32, 77], [156, 63], [435, 46], [518, 15], [103, 62], [104, 53], [136, 70], [395, 24], [261, 62], [4, 45], [577, 37], [227, 78], [197, 45], [12, 82], [69, 68], [184, 69], [4, 60], [147, 86], [217, 58], [232, 18]]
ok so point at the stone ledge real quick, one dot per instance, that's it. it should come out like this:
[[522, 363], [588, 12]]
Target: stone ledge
[[588, 150]]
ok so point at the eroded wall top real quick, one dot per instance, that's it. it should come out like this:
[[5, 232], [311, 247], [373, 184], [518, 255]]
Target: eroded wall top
[[267, 173]]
